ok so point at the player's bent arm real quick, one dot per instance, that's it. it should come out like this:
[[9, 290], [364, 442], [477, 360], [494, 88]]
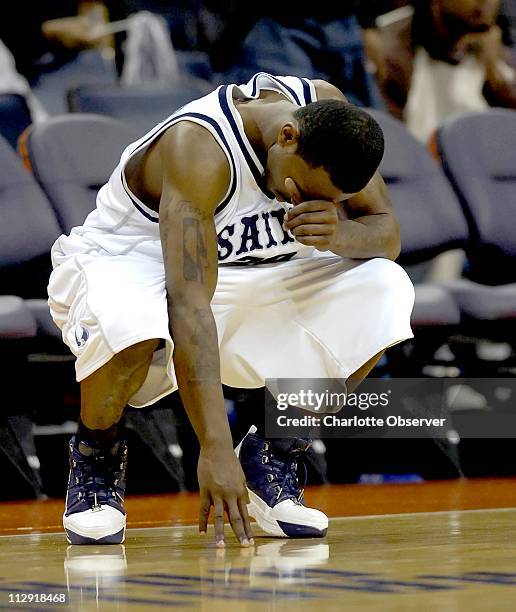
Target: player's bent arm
[[195, 179], [368, 226]]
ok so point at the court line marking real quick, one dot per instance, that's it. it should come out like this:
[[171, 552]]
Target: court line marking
[[331, 519]]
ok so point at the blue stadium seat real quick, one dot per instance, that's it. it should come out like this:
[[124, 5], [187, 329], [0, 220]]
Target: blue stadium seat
[[14, 117], [72, 156], [141, 107]]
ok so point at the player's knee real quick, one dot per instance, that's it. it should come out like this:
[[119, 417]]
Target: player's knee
[[393, 280], [137, 356]]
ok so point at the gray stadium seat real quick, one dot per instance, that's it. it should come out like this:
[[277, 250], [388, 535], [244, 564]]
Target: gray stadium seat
[[431, 220], [16, 319], [28, 228], [72, 156], [478, 151], [142, 107]]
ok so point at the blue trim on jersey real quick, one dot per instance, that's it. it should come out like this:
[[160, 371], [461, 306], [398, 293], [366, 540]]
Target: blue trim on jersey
[[255, 82], [220, 133], [288, 88], [307, 91], [139, 208], [238, 135]]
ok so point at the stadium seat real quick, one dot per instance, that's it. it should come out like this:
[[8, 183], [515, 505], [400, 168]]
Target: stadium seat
[[28, 228], [72, 156], [141, 107], [479, 157], [14, 117], [431, 220], [16, 319]]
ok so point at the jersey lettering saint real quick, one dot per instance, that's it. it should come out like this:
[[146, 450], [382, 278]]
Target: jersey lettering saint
[[260, 234]]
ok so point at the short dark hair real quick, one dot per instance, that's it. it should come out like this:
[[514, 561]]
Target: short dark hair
[[342, 138]]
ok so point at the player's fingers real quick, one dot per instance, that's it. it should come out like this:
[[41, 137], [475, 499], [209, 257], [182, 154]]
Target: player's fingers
[[293, 191], [313, 230], [242, 506], [310, 206], [204, 512], [218, 521], [326, 217], [237, 523]]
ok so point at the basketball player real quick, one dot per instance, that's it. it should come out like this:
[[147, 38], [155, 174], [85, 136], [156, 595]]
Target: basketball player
[[246, 237]]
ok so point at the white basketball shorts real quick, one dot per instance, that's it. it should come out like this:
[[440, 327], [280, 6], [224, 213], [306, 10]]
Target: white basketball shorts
[[320, 317]]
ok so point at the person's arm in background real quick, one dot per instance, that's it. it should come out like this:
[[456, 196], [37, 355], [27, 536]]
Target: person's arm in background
[[363, 227], [196, 175], [78, 31], [500, 85], [492, 48]]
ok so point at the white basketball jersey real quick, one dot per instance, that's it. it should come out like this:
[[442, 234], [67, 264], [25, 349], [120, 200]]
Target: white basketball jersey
[[248, 221]]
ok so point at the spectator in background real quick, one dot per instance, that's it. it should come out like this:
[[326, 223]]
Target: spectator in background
[[45, 35], [447, 56], [320, 40]]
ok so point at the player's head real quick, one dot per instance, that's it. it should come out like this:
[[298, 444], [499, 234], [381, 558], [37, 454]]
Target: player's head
[[331, 149]]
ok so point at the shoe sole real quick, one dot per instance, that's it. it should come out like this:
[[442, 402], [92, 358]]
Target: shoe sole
[[76, 538]]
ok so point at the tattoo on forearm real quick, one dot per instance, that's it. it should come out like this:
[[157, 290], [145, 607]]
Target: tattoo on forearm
[[187, 208], [195, 259]]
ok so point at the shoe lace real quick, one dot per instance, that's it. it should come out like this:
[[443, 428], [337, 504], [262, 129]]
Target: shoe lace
[[283, 475], [98, 477]]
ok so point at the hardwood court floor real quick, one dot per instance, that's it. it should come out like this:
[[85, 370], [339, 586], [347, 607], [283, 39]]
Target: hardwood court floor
[[449, 561]]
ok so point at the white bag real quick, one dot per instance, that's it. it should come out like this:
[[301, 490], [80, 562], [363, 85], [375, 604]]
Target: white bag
[[149, 55]]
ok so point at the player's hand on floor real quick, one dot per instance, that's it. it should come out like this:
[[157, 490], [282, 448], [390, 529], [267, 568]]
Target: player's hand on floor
[[311, 222], [222, 486]]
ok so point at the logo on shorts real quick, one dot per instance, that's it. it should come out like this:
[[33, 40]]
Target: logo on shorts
[[81, 335]]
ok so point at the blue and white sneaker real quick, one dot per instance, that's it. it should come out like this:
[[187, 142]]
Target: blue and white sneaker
[[94, 512], [276, 497]]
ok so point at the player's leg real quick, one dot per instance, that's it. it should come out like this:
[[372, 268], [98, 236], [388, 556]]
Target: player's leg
[[106, 392], [94, 506]]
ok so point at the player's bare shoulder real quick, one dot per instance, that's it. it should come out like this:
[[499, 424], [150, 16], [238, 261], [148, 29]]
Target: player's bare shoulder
[[193, 164], [327, 91]]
